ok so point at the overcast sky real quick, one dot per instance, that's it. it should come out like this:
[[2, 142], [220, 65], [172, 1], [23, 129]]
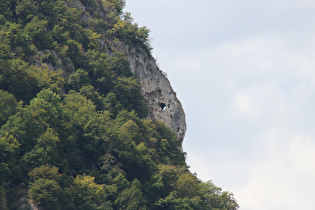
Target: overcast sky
[[245, 74]]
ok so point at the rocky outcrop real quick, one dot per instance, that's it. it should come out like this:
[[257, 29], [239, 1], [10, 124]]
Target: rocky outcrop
[[26, 204], [161, 99]]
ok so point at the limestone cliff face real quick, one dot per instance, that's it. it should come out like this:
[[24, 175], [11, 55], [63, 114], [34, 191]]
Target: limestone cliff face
[[162, 101]]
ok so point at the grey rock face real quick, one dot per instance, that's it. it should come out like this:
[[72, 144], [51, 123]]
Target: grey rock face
[[162, 101], [26, 204]]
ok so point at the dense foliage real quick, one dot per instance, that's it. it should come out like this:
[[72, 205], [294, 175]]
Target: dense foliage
[[73, 129]]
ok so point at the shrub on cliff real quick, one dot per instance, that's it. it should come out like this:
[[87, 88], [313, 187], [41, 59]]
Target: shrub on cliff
[[73, 130]]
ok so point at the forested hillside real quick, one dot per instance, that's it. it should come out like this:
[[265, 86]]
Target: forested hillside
[[74, 133]]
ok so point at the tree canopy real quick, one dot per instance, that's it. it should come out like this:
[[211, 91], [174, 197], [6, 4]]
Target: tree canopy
[[74, 133]]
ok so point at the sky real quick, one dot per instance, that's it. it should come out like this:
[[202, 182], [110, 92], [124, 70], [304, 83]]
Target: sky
[[244, 72]]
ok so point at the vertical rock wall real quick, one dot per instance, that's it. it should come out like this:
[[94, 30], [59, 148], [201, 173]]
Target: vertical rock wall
[[162, 101]]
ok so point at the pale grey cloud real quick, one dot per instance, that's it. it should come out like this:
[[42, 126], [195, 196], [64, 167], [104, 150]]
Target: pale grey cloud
[[245, 73]]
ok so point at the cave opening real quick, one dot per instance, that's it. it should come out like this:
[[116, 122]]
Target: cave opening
[[163, 106]]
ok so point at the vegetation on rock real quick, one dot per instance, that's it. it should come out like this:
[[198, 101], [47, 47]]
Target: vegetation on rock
[[73, 129]]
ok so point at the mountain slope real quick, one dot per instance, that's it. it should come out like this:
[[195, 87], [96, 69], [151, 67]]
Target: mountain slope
[[73, 114]]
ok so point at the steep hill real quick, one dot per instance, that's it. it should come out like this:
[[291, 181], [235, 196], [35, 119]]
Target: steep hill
[[88, 121]]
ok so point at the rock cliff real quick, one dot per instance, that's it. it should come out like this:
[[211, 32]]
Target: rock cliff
[[73, 141], [161, 99]]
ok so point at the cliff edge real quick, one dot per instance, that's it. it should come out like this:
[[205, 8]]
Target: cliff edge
[[161, 99]]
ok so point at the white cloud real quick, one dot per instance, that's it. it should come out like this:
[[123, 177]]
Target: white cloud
[[245, 73], [244, 104], [283, 178], [273, 85]]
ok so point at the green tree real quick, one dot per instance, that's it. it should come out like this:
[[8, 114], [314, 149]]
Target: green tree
[[26, 10], [98, 138], [73, 131], [6, 8], [13, 36], [9, 170], [167, 145], [8, 106], [78, 79], [45, 149], [120, 65], [128, 92], [90, 93], [112, 104], [37, 33], [45, 172], [187, 185], [214, 198], [75, 53], [16, 80], [131, 198], [89, 195], [101, 75], [45, 193]]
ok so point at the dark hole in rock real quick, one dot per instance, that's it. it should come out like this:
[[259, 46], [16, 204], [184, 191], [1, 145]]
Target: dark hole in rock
[[171, 116], [163, 106]]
